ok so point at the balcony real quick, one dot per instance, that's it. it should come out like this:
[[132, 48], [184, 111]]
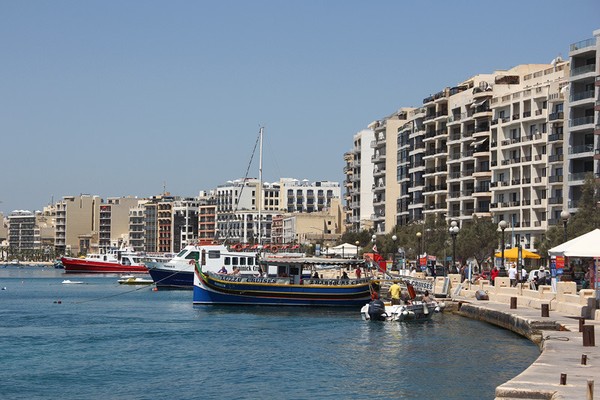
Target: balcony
[[555, 178], [555, 158], [556, 115], [555, 200], [581, 121], [586, 94], [582, 148], [586, 69], [578, 176], [583, 44], [555, 137]]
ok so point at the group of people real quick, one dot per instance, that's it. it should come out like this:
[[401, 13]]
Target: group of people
[[223, 271]]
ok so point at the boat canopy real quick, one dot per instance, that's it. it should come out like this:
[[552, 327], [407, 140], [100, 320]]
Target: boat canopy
[[316, 262]]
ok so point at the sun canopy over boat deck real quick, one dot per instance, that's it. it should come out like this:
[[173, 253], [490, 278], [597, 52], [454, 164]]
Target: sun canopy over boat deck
[[313, 262]]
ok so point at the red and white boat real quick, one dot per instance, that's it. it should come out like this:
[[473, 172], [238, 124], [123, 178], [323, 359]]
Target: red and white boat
[[113, 261]]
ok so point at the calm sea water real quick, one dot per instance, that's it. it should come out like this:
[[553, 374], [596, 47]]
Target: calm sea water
[[110, 341]]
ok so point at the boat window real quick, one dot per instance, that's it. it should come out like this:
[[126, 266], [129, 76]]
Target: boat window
[[250, 260], [234, 261], [126, 261], [227, 261], [181, 253], [214, 254], [242, 260], [294, 271], [192, 256]]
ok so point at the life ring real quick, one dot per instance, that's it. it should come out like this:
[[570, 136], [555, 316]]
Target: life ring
[[274, 249], [238, 247]]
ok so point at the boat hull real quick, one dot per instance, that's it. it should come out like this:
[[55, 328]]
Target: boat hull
[[219, 289], [80, 265], [171, 279]]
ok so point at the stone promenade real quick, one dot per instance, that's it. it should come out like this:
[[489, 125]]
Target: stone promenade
[[562, 348]]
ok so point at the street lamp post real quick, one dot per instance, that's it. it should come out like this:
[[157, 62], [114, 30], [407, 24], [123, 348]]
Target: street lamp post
[[565, 215], [454, 229], [394, 265], [502, 225], [419, 235], [357, 243]]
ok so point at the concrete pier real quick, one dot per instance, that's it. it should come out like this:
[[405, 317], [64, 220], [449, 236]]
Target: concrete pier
[[565, 369]]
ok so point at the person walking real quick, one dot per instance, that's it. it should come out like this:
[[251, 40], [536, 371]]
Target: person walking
[[512, 275], [494, 274]]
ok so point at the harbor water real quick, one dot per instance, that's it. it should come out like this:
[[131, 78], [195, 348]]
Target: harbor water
[[102, 340]]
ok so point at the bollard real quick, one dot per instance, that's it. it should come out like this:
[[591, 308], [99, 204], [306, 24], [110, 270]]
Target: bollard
[[581, 323], [545, 310], [459, 305], [513, 303], [563, 379], [589, 339], [590, 389], [584, 359]]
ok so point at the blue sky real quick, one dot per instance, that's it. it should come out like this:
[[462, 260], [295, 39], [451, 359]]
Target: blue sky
[[119, 98]]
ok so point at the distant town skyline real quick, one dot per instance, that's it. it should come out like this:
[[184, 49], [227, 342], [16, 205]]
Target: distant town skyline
[[119, 99]]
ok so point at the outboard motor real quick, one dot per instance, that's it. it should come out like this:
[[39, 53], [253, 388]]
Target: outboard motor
[[377, 310]]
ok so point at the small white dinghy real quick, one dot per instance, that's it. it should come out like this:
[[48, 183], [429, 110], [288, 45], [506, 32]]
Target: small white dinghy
[[70, 282]]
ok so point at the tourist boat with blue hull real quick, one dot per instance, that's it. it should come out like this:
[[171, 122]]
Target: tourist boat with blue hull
[[286, 282]]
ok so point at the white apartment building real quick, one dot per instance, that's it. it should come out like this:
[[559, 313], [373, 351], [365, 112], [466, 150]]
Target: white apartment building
[[385, 187], [582, 109], [305, 196], [492, 146], [527, 184], [359, 182], [21, 231]]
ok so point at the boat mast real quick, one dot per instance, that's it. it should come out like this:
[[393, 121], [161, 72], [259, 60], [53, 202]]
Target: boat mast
[[260, 186]]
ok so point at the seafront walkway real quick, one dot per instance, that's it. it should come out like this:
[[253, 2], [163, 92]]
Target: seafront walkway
[[568, 366]]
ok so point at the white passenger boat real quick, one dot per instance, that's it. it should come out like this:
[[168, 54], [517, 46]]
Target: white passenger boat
[[376, 310]]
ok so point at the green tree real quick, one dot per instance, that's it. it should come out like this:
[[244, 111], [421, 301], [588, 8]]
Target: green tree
[[477, 238]]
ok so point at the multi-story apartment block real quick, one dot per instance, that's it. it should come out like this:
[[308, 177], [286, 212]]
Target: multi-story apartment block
[[184, 223], [238, 211], [305, 196], [583, 109], [164, 218], [114, 228], [386, 188], [359, 182], [137, 226], [77, 221], [490, 146], [412, 164], [527, 184], [207, 214], [21, 232], [151, 225]]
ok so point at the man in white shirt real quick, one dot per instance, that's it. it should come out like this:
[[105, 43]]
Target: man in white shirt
[[512, 275], [542, 276]]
